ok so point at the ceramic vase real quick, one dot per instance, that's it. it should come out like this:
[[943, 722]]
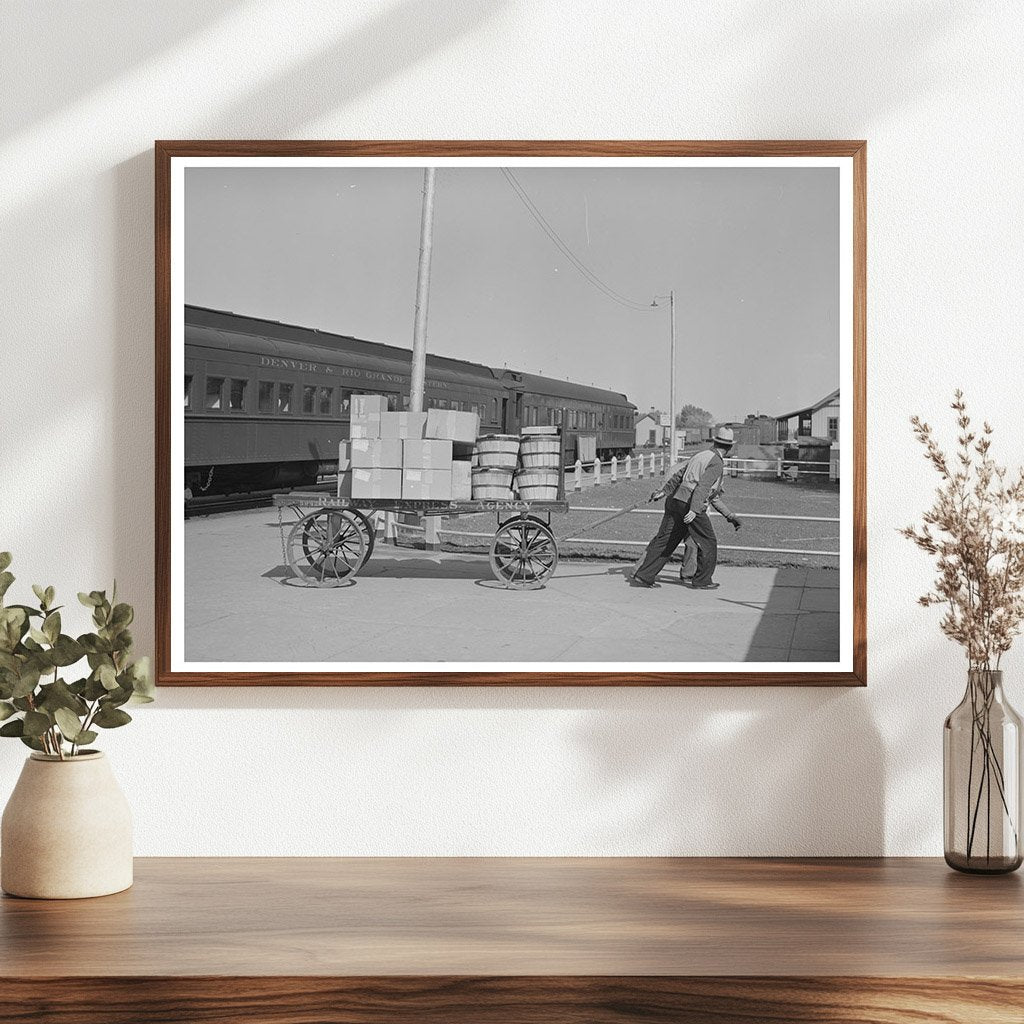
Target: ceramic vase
[[66, 831]]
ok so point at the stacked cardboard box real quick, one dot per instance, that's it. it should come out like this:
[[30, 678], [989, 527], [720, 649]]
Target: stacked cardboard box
[[427, 469], [462, 480], [423, 456], [461, 429], [365, 415], [376, 453], [400, 425], [375, 465], [376, 468], [345, 469], [376, 482], [452, 425]]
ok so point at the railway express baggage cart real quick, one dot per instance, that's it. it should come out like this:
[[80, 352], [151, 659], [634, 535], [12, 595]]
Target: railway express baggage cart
[[332, 538]]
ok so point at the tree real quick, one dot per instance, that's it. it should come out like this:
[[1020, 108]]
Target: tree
[[694, 416]]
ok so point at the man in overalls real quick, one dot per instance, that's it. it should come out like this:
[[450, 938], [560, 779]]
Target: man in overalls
[[687, 496]]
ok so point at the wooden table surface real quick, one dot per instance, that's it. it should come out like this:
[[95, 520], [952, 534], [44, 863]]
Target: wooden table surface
[[503, 939]]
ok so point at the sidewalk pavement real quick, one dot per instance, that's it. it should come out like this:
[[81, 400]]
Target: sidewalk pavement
[[241, 604]]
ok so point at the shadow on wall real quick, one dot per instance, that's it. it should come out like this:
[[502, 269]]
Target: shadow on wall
[[738, 772], [394, 39], [59, 41], [385, 45]]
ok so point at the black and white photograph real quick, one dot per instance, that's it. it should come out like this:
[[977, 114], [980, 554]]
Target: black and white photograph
[[551, 415]]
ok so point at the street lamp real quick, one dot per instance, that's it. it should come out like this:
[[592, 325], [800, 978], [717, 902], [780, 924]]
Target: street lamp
[[671, 373]]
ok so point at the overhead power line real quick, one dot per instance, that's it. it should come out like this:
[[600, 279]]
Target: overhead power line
[[563, 248]]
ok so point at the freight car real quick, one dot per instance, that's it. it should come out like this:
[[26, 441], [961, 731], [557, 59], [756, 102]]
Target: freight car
[[267, 403]]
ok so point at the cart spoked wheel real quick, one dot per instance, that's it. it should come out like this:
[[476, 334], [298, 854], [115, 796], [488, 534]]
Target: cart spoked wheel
[[524, 554], [367, 525], [326, 547]]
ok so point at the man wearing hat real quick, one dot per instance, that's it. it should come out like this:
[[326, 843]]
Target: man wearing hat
[[687, 495]]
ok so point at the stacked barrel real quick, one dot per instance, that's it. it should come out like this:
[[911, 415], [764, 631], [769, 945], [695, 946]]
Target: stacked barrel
[[540, 464], [494, 464], [528, 467]]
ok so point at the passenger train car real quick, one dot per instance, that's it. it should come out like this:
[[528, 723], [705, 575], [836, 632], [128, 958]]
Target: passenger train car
[[267, 403]]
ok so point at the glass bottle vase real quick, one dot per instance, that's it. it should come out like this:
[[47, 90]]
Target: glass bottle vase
[[981, 771]]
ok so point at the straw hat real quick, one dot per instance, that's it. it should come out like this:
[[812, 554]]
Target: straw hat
[[724, 437]]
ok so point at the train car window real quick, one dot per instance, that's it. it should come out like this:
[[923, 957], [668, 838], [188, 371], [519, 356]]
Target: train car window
[[494, 410], [557, 417], [265, 396], [345, 403], [236, 395], [188, 390], [214, 392], [405, 403], [392, 401], [443, 403], [284, 399], [326, 401], [309, 399]]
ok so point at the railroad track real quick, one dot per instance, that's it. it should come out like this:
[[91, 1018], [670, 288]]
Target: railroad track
[[215, 504]]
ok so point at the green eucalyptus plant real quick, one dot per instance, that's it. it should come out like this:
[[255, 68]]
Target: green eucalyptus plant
[[46, 712]]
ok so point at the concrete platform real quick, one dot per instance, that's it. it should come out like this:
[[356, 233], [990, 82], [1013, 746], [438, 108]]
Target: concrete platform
[[242, 605]]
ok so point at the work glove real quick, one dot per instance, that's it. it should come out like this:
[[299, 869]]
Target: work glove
[[656, 496], [689, 517], [736, 523]]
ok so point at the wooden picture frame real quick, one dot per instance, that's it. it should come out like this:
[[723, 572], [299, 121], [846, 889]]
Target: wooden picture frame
[[171, 157]]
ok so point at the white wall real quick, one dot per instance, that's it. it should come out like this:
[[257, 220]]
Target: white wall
[[935, 87]]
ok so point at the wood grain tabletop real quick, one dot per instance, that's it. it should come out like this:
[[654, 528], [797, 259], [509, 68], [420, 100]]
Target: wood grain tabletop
[[358, 940], [515, 916]]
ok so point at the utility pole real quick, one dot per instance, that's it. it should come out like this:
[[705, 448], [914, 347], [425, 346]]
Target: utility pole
[[419, 334], [672, 380]]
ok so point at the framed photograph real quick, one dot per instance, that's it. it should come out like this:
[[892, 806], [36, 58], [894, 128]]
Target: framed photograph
[[527, 413]]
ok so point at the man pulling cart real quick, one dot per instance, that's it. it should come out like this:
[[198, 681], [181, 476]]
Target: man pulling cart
[[687, 495]]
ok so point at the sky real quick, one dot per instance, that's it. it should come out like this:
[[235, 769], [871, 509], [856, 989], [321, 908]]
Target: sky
[[752, 255]]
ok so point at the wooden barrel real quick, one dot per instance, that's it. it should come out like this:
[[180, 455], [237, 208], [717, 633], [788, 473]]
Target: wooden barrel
[[537, 484], [497, 451], [540, 452], [492, 484]]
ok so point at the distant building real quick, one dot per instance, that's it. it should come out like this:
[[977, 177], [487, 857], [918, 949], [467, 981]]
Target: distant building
[[820, 420], [754, 430], [649, 430], [760, 429]]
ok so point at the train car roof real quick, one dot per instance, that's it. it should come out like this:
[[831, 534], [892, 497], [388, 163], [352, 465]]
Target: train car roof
[[226, 322], [538, 385]]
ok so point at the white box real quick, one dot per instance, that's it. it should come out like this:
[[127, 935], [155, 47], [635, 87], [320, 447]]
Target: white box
[[462, 481], [368, 406], [345, 483], [427, 454], [376, 483], [376, 453], [453, 425], [362, 427], [427, 484], [403, 424], [344, 457]]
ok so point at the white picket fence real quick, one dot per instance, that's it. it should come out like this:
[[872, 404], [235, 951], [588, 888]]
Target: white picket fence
[[595, 473]]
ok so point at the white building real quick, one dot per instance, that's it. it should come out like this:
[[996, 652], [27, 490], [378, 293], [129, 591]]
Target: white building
[[818, 420], [649, 430]]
